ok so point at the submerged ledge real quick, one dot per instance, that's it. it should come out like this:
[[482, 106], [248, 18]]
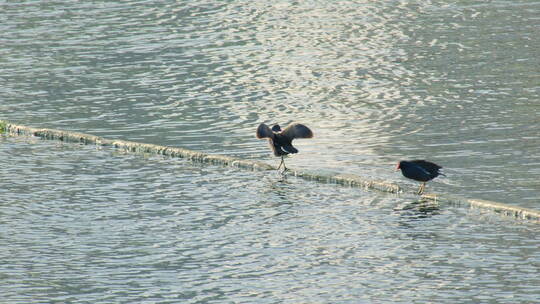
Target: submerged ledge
[[201, 157]]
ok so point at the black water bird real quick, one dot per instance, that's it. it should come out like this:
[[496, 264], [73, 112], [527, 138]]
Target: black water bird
[[281, 140], [419, 170]]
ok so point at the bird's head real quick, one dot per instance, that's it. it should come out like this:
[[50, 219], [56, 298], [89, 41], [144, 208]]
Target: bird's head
[[276, 128], [398, 167]]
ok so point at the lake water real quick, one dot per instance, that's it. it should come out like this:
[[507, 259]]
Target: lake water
[[456, 82]]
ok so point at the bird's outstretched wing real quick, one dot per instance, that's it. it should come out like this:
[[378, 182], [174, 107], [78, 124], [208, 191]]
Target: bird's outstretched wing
[[263, 131], [297, 131]]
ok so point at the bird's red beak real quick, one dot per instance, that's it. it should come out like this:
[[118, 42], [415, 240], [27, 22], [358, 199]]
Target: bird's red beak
[[398, 167]]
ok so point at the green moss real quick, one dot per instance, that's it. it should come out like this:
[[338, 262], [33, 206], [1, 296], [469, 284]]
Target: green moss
[[3, 126]]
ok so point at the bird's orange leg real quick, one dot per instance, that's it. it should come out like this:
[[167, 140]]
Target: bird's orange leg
[[422, 187]]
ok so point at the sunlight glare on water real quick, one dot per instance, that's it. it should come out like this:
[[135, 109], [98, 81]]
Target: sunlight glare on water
[[456, 83]]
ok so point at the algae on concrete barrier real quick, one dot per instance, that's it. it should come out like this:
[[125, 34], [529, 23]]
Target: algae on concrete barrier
[[318, 176]]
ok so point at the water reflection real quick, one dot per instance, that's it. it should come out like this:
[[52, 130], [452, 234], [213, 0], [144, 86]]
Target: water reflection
[[418, 208]]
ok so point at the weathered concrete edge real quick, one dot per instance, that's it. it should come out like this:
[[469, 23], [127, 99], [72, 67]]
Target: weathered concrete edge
[[78, 137], [504, 209], [195, 156]]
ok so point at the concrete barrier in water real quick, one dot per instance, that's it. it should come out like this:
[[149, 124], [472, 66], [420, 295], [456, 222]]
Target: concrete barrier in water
[[195, 156]]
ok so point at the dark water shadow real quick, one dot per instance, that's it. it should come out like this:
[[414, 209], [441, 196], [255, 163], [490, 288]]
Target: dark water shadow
[[278, 190], [418, 209]]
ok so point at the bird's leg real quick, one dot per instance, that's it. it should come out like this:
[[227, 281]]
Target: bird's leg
[[281, 163], [421, 189]]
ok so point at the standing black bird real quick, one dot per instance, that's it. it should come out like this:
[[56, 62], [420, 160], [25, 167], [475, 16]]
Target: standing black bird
[[281, 140], [419, 170]]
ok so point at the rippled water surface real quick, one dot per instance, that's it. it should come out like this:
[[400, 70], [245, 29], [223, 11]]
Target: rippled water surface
[[455, 82], [102, 226]]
